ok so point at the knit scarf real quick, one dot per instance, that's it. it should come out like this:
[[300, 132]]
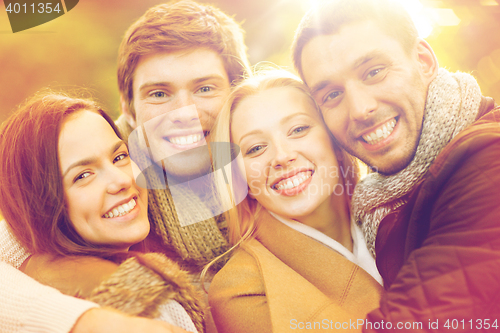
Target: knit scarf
[[452, 104], [196, 244]]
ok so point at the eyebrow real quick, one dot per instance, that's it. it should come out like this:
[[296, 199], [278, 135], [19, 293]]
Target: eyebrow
[[91, 160], [257, 131], [293, 115], [355, 65], [169, 84], [208, 78]]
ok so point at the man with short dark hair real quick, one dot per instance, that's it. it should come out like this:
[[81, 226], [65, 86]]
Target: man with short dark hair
[[430, 211]]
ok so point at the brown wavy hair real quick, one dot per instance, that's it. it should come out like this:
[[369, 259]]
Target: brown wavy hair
[[31, 188], [181, 26]]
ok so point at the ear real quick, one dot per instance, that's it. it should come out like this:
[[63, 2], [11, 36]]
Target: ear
[[427, 59], [126, 112]]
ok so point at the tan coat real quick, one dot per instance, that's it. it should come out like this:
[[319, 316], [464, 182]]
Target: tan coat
[[283, 281]]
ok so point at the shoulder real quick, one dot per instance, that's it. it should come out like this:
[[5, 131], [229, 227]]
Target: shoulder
[[143, 282], [240, 273], [478, 142], [72, 275]]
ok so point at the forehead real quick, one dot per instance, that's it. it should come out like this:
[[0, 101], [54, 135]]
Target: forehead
[[329, 55], [267, 108], [83, 134], [179, 68]]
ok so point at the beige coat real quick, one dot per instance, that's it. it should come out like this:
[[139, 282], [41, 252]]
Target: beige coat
[[283, 281]]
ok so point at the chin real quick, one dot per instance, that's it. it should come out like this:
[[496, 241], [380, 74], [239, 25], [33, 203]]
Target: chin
[[394, 167], [187, 165]]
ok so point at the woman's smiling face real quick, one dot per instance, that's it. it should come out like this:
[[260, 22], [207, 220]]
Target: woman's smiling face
[[289, 160], [104, 204]]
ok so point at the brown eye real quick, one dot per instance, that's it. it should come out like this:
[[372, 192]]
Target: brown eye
[[373, 73], [81, 176], [120, 157], [332, 96]]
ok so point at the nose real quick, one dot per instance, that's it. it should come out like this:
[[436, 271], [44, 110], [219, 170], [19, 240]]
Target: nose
[[284, 155], [361, 103], [184, 112], [118, 179]]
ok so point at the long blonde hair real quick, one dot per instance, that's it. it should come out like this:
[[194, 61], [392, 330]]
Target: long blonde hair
[[243, 218]]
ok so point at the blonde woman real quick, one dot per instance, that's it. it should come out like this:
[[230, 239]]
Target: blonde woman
[[299, 261]]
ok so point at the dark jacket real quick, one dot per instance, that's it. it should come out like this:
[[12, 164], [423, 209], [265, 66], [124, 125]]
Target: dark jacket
[[439, 254]]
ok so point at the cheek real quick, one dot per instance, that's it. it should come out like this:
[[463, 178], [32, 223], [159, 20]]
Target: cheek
[[83, 206], [256, 175], [208, 111], [337, 122], [146, 112]]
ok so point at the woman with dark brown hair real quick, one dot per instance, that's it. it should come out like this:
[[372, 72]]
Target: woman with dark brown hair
[[67, 190]]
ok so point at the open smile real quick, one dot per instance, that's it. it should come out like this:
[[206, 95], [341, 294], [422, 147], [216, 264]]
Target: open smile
[[291, 182], [122, 209], [294, 183], [380, 133], [187, 141]]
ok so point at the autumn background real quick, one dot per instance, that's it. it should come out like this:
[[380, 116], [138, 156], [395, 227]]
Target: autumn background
[[79, 49]]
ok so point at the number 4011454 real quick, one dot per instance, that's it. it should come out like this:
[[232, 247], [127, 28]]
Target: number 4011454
[[41, 8]]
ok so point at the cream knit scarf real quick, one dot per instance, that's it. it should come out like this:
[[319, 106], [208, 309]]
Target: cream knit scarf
[[452, 104]]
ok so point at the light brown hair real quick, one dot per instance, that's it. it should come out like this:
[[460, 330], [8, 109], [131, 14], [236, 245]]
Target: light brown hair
[[181, 26]]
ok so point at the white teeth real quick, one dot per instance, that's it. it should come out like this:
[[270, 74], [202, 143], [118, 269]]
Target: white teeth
[[121, 210], [380, 133], [294, 181], [186, 140]]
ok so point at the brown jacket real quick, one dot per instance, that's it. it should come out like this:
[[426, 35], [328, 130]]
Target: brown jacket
[[283, 281], [439, 254]]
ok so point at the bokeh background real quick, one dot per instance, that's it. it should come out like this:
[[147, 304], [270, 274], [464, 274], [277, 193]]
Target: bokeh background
[[79, 49]]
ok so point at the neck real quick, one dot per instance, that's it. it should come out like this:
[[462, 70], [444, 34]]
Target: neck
[[333, 219]]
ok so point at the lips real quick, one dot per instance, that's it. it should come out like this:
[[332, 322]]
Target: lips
[[292, 181], [186, 139], [121, 209], [380, 133]]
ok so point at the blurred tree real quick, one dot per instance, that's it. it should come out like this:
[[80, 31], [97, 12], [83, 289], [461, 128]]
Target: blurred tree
[[79, 49]]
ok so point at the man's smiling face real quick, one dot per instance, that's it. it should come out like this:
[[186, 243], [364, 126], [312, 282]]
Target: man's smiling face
[[371, 92], [179, 95]]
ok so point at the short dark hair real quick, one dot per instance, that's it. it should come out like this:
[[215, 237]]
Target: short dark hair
[[331, 15], [32, 197]]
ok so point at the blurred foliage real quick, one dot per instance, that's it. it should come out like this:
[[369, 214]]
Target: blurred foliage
[[79, 49]]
